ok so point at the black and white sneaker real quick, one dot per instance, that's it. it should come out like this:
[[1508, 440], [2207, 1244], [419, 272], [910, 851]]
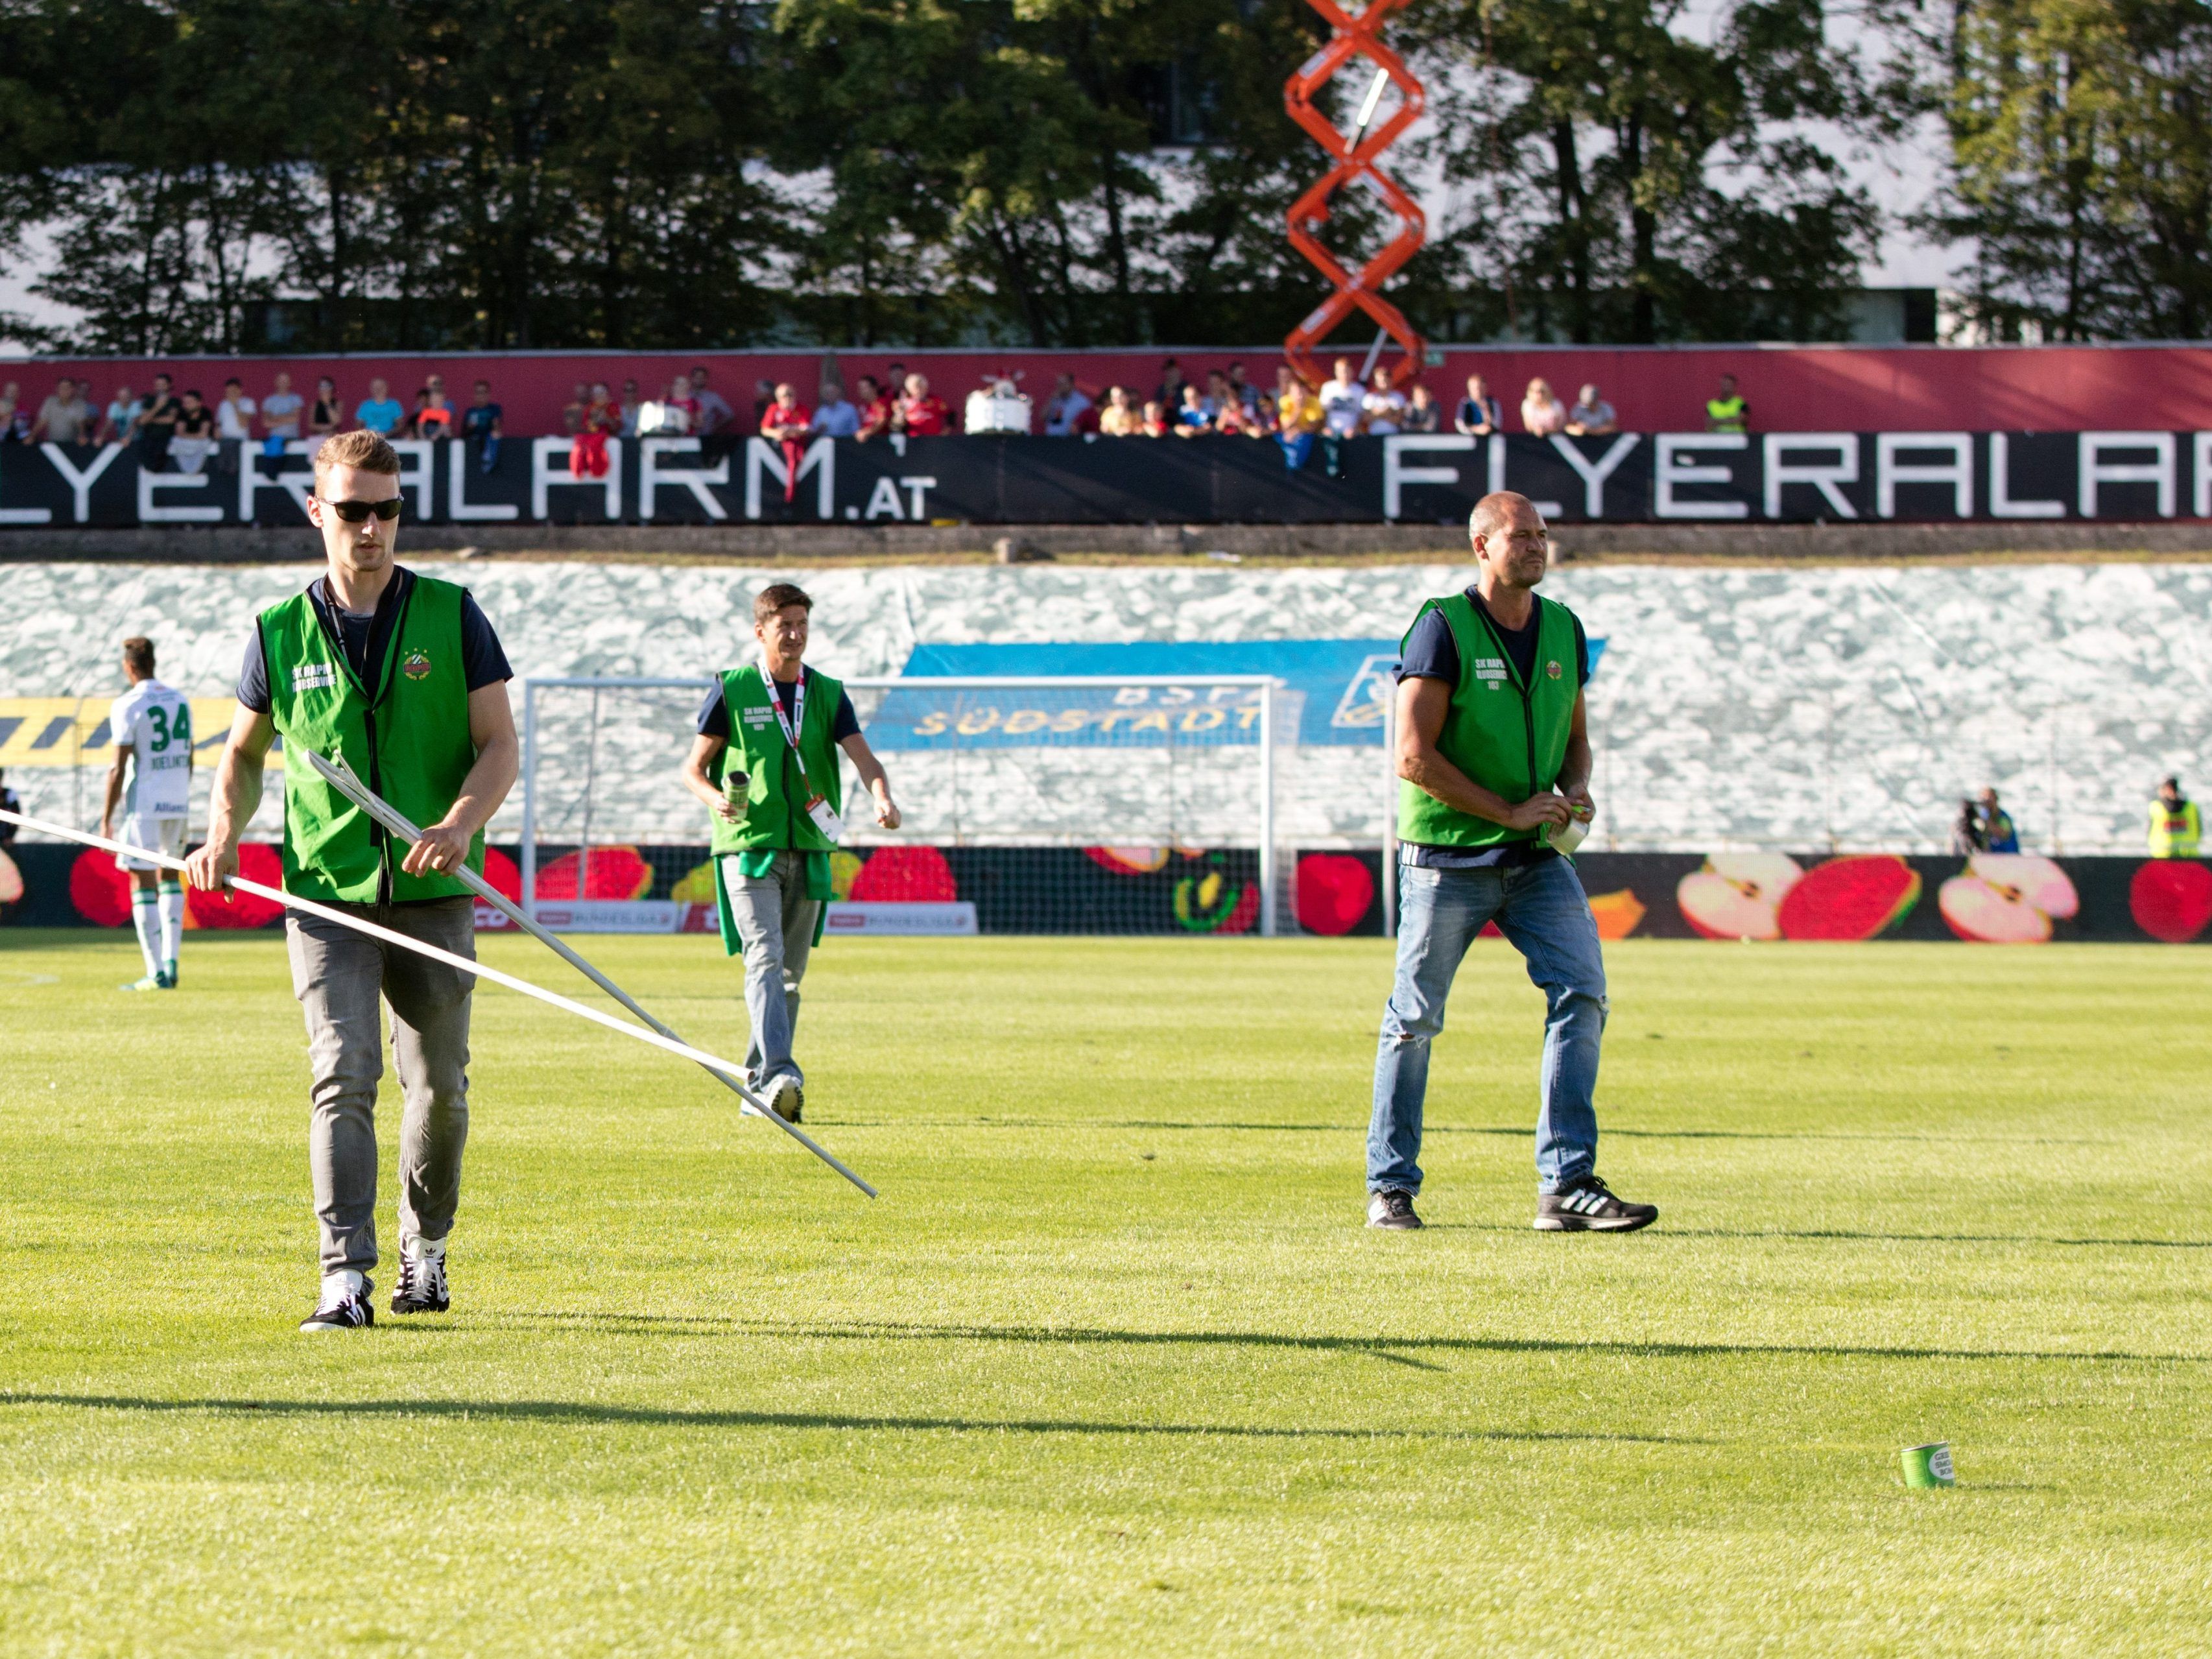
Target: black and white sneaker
[[1589, 1207], [422, 1288], [1392, 1210], [785, 1097], [344, 1305]]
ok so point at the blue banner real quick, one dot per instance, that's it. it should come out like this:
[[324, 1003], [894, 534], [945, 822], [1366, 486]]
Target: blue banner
[[1341, 682], [1344, 686]]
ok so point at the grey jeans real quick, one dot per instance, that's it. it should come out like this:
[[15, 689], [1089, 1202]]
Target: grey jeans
[[339, 975], [775, 923]]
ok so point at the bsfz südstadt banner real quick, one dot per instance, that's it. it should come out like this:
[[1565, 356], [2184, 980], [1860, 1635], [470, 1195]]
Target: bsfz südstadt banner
[[1625, 478]]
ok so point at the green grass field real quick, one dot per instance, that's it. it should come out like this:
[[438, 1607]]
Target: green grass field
[[1112, 1366]]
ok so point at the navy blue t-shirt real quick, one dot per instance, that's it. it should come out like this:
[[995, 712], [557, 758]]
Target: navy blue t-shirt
[[1432, 654], [714, 713], [484, 662]]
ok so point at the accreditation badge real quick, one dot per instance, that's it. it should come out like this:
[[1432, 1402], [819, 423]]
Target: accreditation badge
[[825, 819]]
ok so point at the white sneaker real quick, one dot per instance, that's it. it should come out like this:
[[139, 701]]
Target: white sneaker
[[422, 1288], [785, 1097], [344, 1305]]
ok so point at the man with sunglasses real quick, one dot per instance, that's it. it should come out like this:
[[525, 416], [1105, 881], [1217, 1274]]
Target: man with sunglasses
[[1493, 750], [400, 676]]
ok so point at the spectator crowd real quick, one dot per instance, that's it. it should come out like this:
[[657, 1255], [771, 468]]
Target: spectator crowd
[[181, 430]]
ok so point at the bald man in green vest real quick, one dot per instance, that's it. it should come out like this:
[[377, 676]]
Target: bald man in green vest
[[1494, 756], [401, 677]]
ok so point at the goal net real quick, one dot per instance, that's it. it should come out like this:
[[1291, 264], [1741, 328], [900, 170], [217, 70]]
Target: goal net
[[1129, 805]]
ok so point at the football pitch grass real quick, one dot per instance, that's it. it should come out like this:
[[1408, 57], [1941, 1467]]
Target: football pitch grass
[[1112, 1366]]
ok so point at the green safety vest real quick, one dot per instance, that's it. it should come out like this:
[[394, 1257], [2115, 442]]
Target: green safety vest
[[1726, 413], [408, 738], [2175, 835], [1509, 736], [775, 793]]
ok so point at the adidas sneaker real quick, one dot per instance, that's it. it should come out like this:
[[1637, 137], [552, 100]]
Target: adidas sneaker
[[422, 1288], [1589, 1206], [344, 1304]]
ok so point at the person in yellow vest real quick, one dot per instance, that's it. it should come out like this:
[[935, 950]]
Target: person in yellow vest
[[1729, 412], [764, 761], [1493, 750], [2176, 825], [401, 677]]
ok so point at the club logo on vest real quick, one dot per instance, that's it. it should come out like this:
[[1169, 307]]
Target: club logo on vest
[[1551, 669], [415, 665], [313, 676]]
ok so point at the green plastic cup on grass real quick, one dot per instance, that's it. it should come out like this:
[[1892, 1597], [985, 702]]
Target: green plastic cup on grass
[[1928, 1465]]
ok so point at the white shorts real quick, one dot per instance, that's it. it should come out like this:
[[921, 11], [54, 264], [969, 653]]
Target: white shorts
[[155, 836]]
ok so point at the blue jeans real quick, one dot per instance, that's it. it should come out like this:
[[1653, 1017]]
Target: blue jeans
[[1541, 909], [1296, 446]]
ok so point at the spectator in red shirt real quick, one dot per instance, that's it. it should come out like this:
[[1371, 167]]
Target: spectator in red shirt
[[924, 413], [786, 419], [587, 456], [1156, 419], [786, 422], [878, 411]]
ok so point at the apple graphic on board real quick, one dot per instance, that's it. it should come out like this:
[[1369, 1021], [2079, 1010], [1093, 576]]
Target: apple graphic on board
[[1738, 895], [1858, 896], [2170, 899], [2007, 898]]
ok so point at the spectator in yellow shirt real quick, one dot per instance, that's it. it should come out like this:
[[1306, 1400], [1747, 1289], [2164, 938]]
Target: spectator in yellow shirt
[[2177, 827], [1297, 417], [1120, 419]]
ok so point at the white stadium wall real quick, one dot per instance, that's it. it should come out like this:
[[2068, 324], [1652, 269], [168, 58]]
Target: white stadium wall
[[1785, 708]]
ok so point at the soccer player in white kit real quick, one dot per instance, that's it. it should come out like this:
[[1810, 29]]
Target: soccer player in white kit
[[151, 727]]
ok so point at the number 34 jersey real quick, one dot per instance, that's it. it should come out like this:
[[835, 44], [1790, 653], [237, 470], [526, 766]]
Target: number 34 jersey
[[155, 723]]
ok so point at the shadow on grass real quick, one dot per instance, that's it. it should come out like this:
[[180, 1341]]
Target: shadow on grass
[[887, 1331], [570, 1411], [1875, 1238], [1520, 1132]]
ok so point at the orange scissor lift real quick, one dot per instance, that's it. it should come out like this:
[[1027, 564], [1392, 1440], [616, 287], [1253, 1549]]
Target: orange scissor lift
[[1355, 36]]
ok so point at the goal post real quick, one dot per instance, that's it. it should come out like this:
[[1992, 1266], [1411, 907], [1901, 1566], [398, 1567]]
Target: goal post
[[1068, 804]]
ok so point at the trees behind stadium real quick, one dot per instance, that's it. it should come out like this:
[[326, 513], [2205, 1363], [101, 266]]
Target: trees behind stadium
[[442, 174]]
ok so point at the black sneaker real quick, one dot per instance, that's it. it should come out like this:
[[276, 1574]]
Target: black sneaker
[[341, 1309], [1589, 1207], [1392, 1209], [422, 1288]]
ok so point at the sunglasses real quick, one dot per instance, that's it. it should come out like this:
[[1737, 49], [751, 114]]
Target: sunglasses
[[358, 512]]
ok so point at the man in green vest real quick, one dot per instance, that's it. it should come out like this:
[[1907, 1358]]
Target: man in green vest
[[2176, 826], [764, 761], [1729, 412], [1495, 759], [401, 677]]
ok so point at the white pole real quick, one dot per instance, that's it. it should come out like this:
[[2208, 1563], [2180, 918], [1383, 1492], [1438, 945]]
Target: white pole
[[1268, 810], [348, 783], [529, 796], [466, 965], [591, 786], [1390, 815]]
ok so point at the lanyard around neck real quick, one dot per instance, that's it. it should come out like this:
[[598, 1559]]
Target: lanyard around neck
[[793, 723]]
